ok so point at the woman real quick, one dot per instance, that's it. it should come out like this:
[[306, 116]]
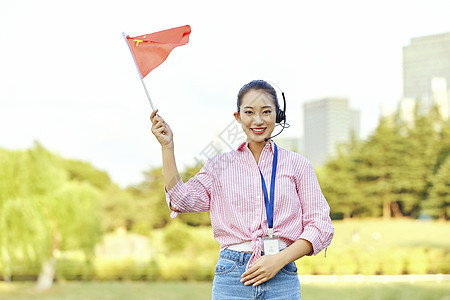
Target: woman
[[265, 203]]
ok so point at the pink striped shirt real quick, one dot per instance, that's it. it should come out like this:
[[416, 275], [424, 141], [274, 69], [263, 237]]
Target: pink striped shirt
[[229, 186]]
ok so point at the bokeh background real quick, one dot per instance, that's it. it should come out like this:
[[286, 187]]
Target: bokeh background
[[82, 200]]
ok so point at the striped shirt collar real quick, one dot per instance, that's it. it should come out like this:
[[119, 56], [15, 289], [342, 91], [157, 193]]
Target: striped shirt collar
[[269, 144]]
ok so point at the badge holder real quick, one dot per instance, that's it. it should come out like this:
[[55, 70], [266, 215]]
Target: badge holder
[[270, 243]]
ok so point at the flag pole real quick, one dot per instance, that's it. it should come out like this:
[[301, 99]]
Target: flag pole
[[139, 72]]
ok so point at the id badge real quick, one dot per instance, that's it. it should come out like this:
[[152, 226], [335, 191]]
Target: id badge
[[270, 245]]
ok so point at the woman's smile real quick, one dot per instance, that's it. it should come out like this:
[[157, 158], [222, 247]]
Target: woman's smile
[[258, 130]]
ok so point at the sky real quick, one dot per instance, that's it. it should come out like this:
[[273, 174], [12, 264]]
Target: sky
[[67, 79]]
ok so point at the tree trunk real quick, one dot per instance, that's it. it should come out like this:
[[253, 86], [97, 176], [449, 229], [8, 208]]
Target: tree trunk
[[7, 271], [47, 275], [396, 210], [45, 279], [386, 210]]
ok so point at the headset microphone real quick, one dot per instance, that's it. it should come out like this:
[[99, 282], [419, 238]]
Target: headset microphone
[[281, 116], [266, 139]]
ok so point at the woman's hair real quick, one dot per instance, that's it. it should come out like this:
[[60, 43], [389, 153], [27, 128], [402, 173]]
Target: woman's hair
[[257, 85]]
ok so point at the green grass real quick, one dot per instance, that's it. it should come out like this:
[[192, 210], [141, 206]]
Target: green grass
[[376, 291], [202, 290], [108, 291], [378, 233]]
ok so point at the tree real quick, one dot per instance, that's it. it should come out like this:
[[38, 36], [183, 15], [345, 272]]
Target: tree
[[378, 162], [438, 203], [443, 145], [29, 173], [419, 157], [26, 235], [393, 171], [153, 203], [119, 208], [84, 172], [42, 212], [152, 198], [339, 185]]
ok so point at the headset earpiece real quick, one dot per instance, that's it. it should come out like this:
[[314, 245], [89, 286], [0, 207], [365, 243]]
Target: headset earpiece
[[281, 114], [280, 118]]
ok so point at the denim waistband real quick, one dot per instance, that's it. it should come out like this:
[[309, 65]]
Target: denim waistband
[[238, 256]]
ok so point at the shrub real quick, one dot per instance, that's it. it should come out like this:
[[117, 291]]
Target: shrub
[[152, 271], [417, 261], [323, 266], [205, 267], [24, 271], [176, 237], [175, 268], [444, 266], [392, 261], [346, 263], [368, 262], [74, 269], [120, 269]]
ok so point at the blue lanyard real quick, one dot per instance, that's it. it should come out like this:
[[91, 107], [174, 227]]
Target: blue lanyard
[[269, 204]]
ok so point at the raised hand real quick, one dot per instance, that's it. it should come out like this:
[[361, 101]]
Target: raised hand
[[161, 130]]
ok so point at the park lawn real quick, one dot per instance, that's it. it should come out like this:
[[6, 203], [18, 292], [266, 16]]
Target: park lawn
[[108, 291], [372, 233], [400, 232], [202, 290], [376, 291]]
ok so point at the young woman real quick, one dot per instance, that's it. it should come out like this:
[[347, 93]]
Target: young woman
[[266, 206]]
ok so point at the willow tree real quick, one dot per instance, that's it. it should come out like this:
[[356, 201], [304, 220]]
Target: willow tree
[[42, 212]]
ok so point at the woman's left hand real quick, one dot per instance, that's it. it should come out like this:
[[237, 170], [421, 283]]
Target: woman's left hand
[[262, 269]]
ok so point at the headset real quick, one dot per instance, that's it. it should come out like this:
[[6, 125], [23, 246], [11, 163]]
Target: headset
[[281, 114]]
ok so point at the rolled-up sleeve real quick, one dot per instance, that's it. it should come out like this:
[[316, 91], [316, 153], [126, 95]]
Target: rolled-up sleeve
[[192, 196], [317, 226]]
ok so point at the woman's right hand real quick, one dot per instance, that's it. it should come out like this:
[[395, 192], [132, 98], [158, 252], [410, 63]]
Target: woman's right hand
[[161, 130]]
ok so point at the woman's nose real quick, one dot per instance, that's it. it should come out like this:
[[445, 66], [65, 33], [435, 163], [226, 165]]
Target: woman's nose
[[258, 119]]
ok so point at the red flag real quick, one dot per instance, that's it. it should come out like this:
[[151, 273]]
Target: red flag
[[152, 49]]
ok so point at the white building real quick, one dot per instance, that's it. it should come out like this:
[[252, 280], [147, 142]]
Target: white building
[[440, 96], [328, 122], [426, 72]]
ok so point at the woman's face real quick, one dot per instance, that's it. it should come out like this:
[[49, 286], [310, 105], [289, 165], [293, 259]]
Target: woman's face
[[257, 115]]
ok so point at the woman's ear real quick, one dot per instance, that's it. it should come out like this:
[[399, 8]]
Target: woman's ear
[[237, 116]]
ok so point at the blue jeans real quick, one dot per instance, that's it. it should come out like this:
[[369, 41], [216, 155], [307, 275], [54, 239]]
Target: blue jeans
[[229, 268]]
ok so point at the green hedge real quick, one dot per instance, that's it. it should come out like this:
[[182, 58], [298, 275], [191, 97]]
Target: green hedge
[[165, 268], [180, 252], [384, 261], [200, 266]]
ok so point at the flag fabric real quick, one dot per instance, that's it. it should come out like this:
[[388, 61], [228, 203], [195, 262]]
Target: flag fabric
[[152, 49]]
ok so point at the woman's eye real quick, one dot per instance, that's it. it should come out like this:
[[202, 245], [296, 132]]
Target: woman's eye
[[248, 112], [267, 111]]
